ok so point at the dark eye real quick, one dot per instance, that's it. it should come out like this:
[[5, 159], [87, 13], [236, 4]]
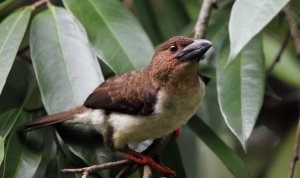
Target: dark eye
[[173, 48]]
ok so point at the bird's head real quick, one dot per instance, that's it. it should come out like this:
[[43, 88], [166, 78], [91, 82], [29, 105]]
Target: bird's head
[[179, 55]]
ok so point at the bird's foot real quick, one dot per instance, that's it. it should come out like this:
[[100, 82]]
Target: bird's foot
[[143, 159], [176, 133]]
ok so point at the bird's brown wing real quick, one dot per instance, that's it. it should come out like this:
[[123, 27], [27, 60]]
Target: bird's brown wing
[[129, 93]]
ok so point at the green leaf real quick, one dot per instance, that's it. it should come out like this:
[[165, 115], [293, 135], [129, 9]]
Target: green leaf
[[165, 12], [16, 87], [66, 68], [240, 89], [115, 34], [247, 18], [12, 30], [54, 168], [171, 157], [210, 110], [1, 149], [20, 160], [8, 120], [230, 159]]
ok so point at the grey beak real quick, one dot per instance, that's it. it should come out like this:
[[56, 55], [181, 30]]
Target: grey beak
[[196, 50]]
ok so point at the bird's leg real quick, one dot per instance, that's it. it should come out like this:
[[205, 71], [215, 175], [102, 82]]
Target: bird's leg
[[143, 159], [176, 133]]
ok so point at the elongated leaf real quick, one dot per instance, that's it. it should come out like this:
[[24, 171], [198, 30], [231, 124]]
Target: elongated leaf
[[1, 149], [241, 89], [66, 68], [115, 34], [12, 30], [8, 120], [247, 18], [54, 168], [16, 87], [230, 159], [20, 160], [171, 157]]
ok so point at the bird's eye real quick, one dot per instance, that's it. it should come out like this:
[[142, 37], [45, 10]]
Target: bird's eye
[[173, 48]]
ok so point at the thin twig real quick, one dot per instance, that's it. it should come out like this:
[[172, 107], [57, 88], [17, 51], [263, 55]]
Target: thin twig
[[147, 172], [23, 50], [86, 170], [203, 17], [293, 28], [280, 52], [154, 150], [126, 170], [40, 3], [295, 153]]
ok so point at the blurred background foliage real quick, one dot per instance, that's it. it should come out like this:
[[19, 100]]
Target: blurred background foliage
[[53, 55]]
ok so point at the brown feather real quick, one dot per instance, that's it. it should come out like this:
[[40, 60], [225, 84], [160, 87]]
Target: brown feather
[[129, 93], [53, 119]]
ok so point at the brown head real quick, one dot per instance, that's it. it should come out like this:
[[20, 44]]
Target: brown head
[[177, 58]]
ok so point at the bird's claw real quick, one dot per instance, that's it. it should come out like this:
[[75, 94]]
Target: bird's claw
[[147, 160]]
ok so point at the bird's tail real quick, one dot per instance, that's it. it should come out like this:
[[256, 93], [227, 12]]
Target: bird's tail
[[52, 119]]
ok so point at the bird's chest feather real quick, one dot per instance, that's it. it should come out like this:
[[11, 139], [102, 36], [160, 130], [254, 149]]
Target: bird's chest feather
[[171, 111]]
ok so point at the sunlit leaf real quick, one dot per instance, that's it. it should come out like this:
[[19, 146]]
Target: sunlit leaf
[[241, 89], [12, 30], [66, 68], [115, 34], [247, 18], [230, 159]]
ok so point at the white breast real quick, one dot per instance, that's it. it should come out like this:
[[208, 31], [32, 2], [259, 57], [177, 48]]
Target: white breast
[[170, 113]]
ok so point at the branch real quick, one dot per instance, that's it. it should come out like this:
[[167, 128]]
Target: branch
[[40, 3], [295, 153], [293, 28], [154, 150], [86, 170], [147, 172], [278, 57], [203, 17]]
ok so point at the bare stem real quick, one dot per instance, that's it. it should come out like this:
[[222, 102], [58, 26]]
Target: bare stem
[[293, 28], [278, 57], [203, 17], [147, 172], [86, 170], [40, 3], [295, 153]]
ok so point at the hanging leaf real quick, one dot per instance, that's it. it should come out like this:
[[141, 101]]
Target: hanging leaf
[[240, 89], [66, 68], [12, 30], [16, 87], [229, 158], [21, 160], [247, 18], [115, 34], [1, 149]]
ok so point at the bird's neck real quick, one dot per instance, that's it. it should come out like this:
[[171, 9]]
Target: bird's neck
[[180, 78]]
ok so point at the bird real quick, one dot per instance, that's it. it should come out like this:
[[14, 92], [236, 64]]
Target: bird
[[143, 104]]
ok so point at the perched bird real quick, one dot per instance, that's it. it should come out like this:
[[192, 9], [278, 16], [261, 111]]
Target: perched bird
[[144, 104]]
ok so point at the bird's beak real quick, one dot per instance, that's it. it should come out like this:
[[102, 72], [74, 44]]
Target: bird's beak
[[196, 50]]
